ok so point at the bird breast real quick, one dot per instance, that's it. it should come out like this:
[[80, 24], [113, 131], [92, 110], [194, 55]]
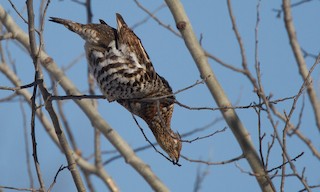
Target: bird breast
[[118, 72]]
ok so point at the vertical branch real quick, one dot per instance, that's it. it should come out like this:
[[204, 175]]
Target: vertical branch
[[25, 129], [90, 77], [284, 159], [43, 10], [296, 49], [261, 136], [34, 52], [245, 70], [239, 39], [34, 56], [201, 175], [88, 181], [232, 119], [89, 11]]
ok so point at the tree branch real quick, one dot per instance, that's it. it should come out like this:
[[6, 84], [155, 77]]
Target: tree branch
[[86, 106], [239, 131], [303, 70]]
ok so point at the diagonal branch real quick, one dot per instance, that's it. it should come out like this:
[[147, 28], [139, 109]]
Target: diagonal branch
[[232, 119], [303, 70]]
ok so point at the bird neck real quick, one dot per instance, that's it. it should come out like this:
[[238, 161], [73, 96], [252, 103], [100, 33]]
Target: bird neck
[[163, 134]]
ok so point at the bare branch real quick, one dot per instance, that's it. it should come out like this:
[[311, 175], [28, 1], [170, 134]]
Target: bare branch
[[297, 132], [65, 122], [20, 87], [156, 19], [238, 36], [25, 130], [303, 70], [280, 11], [61, 168], [311, 187], [37, 77], [149, 15], [232, 119], [201, 175], [281, 166], [204, 137], [8, 98], [214, 163], [35, 54], [6, 36], [19, 189], [16, 10]]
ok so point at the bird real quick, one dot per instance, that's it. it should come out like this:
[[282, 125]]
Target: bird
[[125, 74]]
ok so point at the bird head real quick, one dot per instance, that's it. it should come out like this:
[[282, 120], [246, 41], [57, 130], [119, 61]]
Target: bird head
[[171, 144]]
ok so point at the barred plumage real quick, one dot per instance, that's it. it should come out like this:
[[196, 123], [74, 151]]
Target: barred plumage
[[124, 73]]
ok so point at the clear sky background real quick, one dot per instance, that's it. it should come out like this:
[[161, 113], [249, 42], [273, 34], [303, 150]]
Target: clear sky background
[[172, 60]]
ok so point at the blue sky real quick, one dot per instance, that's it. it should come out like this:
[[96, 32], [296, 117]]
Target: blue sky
[[172, 60]]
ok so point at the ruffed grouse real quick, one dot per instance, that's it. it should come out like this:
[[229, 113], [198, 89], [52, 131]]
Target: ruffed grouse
[[124, 73]]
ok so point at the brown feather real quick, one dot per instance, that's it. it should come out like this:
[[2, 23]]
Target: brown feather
[[124, 73]]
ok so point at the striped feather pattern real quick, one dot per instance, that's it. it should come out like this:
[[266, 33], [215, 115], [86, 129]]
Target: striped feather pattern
[[124, 73]]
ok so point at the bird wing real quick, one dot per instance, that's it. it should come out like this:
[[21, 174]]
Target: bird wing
[[127, 37]]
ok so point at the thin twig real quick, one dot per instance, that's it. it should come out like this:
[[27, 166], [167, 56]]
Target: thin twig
[[73, 62], [280, 166], [311, 187], [152, 99], [280, 11], [26, 140], [213, 163], [20, 87], [204, 137], [16, 10], [238, 36], [201, 175], [8, 98], [88, 11], [156, 19], [297, 132], [270, 146], [148, 17], [61, 168], [19, 189]]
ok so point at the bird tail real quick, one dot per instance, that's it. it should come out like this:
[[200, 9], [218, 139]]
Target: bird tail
[[71, 25]]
